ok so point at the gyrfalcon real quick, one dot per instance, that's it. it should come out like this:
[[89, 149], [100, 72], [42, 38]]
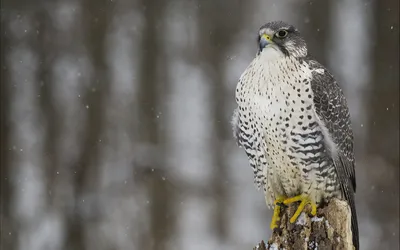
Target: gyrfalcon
[[293, 121]]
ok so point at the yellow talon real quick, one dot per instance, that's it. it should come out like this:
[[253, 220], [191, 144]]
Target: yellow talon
[[304, 200], [277, 210]]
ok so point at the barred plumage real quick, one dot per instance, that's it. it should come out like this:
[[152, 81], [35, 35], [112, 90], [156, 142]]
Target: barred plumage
[[293, 122]]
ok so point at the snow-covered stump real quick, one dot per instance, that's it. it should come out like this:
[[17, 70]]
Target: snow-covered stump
[[329, 229]]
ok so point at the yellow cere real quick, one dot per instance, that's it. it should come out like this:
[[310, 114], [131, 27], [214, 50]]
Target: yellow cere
[[266, 37]]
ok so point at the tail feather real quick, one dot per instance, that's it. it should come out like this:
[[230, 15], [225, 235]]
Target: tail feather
[[348, 189], [349, 196]]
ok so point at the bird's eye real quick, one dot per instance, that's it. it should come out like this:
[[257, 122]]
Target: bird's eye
[[281, 34]]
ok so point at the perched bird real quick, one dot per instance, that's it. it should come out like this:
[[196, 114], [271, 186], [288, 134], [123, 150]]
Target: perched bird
[[293, 121]]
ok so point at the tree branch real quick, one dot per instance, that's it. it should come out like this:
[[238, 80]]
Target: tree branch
[[329, 229]]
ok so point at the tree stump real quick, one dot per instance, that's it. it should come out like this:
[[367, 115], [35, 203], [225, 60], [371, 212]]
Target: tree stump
[[330, 229]]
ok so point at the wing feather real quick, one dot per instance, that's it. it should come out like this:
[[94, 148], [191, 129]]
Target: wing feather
[[331, 108]]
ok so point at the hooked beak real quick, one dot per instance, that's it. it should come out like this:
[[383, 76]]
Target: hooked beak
[[265, 40]]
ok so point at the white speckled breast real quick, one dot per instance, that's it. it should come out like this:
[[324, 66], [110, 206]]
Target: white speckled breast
[[276, 104]]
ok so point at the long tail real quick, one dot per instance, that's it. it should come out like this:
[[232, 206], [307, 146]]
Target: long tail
[[348, 189], [349, 195]]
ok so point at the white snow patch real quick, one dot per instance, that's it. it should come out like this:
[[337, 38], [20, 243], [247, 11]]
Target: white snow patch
[[301, 220], [327, 224], [274, 247], [316, 218]]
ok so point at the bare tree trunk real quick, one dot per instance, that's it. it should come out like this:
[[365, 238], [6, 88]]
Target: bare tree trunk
[[329, 229], [95, 18], [154, 175], [384, 94], [10, 227], [218, 25], [315, 27], [7, 240], [382, 105]]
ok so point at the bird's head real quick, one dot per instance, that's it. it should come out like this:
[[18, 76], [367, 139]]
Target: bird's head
[[281, 37]]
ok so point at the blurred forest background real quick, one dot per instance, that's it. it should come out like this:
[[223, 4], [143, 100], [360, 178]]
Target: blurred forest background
[[115, 119]]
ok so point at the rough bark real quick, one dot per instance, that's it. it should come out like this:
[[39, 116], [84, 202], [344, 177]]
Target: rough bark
[[329, 229]]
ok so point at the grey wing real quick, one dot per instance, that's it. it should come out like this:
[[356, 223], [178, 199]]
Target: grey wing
[[331, 108]]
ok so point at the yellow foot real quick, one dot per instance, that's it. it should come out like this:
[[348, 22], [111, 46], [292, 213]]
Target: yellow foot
[[304, 200], [277, 210]]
